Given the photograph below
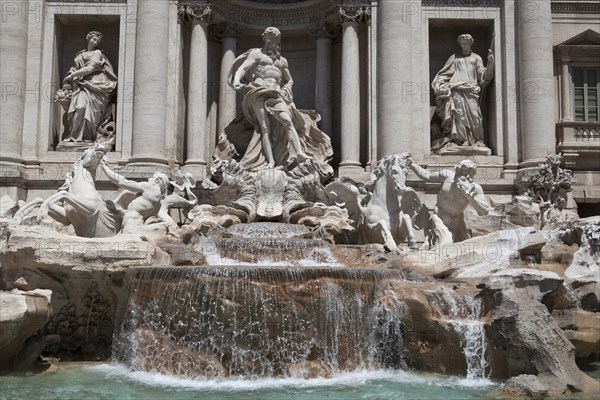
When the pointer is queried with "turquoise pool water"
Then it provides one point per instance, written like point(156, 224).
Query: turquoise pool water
point(106, 381)
point(112, 381)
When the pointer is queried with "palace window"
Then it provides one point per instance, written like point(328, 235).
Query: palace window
point(586, 85)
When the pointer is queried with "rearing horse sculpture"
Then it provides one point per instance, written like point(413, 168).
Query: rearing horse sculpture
point(391, 208)
point(82, 206)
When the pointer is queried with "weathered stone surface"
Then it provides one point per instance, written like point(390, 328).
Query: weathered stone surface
point(521, 211)
point(21, 284)
point(43, 247)
point(525, 384)
point(494, 221)
point(22, 315)
point(8, 207)
point(582, 328)
point(477, 257)
point(556, 252)
point(535, 284)
point(84, 275)
point(181, 254)
point(527, 340)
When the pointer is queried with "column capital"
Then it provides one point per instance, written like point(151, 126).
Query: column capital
point(357, 14)
point(324, 30)
point(564, 59)
point(194, 12)
point(227, 30)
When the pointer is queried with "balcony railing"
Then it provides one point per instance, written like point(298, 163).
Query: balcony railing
point(578, 141)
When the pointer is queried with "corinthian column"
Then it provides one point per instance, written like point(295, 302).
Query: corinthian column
point(13, 52)
point(536, 80)
point(198, 79)
point(228, 34)
point(350, 17)
point(324, 34)
point(151, 61)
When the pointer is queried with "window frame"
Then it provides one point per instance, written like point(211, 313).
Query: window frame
point(585, 87)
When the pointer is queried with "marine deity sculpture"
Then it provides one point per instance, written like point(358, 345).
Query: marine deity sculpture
point(458, 88)
point(87, 97)
point(145, 197)
point(458, 191)
point(391, 211)
point(272, 159)
point(271, 132)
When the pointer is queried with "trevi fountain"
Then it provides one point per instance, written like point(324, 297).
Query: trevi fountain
point(299, 200)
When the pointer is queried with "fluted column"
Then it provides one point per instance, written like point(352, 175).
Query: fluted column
point(395, 111)
point(565, 96)
point(350, 113)
point(13, 52)
point(151, 62)
point(324, 34)
point(228, 34)
point(536, 80)
point(198, 80)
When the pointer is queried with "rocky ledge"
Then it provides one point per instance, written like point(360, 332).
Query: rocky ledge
point(539, 291)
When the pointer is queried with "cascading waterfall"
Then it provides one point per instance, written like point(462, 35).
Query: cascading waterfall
point(269, 252)
point(463, 313)
point(256, 322)
point(385, 340)
point(267, 244)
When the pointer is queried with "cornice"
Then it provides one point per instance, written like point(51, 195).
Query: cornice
point(462, 3)
point(575, 7)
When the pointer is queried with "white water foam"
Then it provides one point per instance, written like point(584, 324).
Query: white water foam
point(351, 379)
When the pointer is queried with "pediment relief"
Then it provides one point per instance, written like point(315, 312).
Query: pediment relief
point(585, 38)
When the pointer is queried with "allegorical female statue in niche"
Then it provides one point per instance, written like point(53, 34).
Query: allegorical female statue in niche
point(457, 88)
point(87, 96)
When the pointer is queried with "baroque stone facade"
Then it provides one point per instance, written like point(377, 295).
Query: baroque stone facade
point(365, 67)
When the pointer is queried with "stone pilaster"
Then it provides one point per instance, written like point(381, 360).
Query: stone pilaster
point(199, 16)
point(565, 95)
point(324, 34)
point(350, 17)
point(536, 80)
point(151, 72)
point(228, 34)
point(13, 52)
point(395, 69)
